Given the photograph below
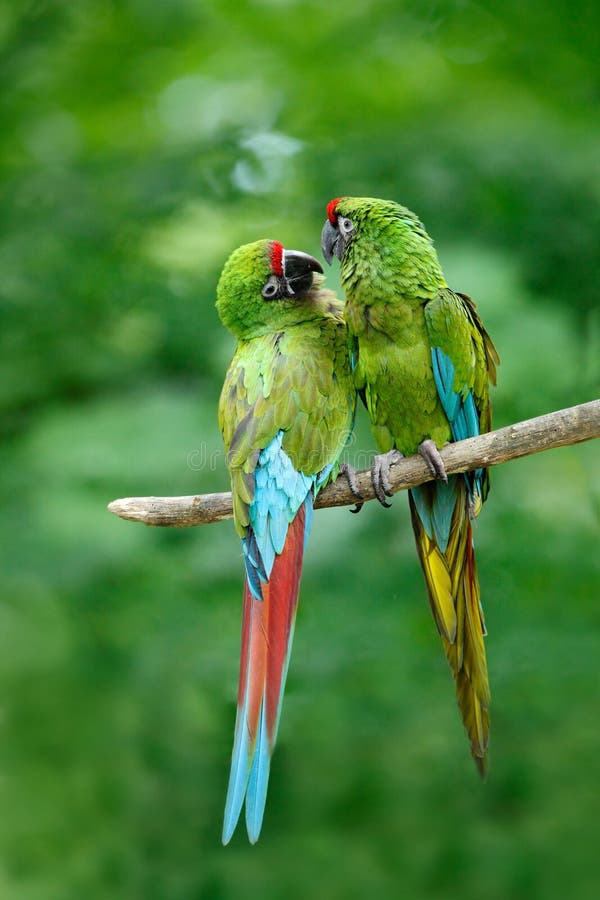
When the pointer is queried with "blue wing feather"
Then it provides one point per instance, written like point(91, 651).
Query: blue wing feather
point(435, 507)
point(459, 407)
point(443, 373)
point(279, 493)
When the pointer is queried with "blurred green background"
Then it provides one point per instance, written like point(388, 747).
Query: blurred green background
point(141, 141)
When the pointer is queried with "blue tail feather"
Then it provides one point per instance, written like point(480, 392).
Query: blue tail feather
point(444, 501)
point(256, 795)
point(421, 497)
point(238, 781)
point(435, 507)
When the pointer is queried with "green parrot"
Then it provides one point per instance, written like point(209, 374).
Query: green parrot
point(285, 413)
point(424, 366)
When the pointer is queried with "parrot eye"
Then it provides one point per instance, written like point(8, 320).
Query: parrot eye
point(271, 289)
point(346, 226)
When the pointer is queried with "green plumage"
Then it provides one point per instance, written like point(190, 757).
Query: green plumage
point(398, 305)
point(290, 372)
point(399, 308)
point(286, 411)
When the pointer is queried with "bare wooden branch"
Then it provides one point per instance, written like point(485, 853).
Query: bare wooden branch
point(556, 429)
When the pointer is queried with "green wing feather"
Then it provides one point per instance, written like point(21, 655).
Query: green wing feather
point(454, 326)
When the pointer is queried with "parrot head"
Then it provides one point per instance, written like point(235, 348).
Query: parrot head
point(377, 223)
point(265, 287)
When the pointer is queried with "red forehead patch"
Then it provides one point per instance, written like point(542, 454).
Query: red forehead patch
point(331, 214)
point(276, 258)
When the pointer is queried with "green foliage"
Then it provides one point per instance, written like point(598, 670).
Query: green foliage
point(141, 142)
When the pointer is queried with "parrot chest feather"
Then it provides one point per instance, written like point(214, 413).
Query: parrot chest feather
point(395, 364)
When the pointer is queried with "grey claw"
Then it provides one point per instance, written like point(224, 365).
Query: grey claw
point(380, 475)
point(350, 474)
point(435, 463)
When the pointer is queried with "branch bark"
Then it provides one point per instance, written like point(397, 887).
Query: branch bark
point(557, 429)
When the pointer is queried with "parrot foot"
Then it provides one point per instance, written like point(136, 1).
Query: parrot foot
point(380, 475)
point(349, 472)
point(435, 463)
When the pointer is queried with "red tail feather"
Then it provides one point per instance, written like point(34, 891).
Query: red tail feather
point(266, 628)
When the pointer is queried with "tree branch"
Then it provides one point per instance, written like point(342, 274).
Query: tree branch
point(557, 429)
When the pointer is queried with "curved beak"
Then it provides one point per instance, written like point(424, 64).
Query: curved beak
point(298, 271)
point(332, 243)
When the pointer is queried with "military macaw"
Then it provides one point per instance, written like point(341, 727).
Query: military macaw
point(285, 413)
point(424, 366)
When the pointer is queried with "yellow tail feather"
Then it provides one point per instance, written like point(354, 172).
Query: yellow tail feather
point(453, 589)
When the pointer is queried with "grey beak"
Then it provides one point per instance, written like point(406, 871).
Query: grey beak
point(332, 243)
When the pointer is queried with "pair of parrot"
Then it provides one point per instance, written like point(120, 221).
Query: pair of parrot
point(419, 357)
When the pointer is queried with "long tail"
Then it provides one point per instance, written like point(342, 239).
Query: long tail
point(442, 527)
point(267, 633)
